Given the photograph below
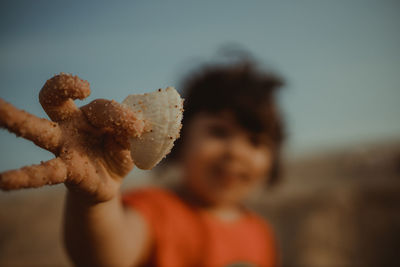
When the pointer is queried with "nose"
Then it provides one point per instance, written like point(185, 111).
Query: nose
point(235, 147)
point(236, 156)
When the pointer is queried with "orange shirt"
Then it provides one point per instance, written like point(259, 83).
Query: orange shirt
point(187, 236)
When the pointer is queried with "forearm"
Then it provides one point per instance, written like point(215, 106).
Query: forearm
point(96, 234)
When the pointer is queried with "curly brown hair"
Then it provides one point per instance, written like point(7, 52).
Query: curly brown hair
point(242, 89)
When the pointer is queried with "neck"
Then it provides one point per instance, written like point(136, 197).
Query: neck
point(223, 211)
point(226, 213)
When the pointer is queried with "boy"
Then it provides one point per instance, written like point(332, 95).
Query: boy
point(230, 144)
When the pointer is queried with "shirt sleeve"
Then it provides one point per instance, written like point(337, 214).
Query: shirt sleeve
point(173, 226)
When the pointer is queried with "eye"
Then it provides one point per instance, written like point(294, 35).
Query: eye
point(258, 140)
point(255, 140)
point(218, 131)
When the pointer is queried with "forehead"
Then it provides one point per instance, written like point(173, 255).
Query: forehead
point(228, 121)
point(224, 118)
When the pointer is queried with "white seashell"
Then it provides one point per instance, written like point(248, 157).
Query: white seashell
point(162, 113)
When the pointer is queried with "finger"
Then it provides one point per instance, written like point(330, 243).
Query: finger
point(112, 117)
point(50, 172)
point(118, 156)
point(42, 132)
point(56, 96)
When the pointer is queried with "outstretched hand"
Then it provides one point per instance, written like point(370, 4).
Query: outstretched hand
point(90, 144)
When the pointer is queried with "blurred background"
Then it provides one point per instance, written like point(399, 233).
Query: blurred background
point(338, 204)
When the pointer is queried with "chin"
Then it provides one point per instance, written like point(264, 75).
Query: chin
point(215, 196)
point(222, 198)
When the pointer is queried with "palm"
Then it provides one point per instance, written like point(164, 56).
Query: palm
point(95, 161)
point(90, 144)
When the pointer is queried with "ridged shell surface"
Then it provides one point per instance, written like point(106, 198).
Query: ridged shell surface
point(162, 112)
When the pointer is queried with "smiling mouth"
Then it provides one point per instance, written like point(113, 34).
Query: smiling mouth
point(226, 177)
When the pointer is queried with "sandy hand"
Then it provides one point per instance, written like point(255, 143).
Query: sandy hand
point(91, 144)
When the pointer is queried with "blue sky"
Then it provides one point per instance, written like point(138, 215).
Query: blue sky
point(341, 58)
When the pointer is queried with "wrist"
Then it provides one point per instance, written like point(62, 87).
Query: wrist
point(84, 199)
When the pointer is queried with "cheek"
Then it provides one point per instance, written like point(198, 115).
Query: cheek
point(198, 160)
point(200, 154)
point(261, 163)
point(204, 149)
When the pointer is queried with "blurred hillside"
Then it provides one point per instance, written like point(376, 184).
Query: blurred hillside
point(338, 208)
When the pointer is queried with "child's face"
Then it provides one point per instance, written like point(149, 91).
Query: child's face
point(223, 161)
